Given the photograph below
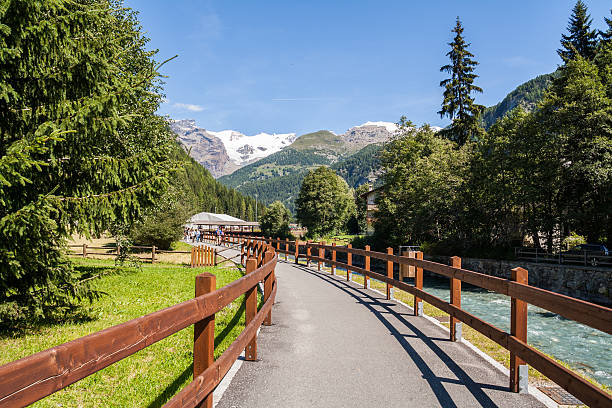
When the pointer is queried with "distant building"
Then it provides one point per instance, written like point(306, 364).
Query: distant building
point(211, 221)
point(371, 208)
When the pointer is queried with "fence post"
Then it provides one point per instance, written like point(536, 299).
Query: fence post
point(519, 371)
point(455, 300)
point(215, 256)
point(268, 287)
point(250, 352)
point(84, 250)
point(153, 254)
point(418, 283)
point(321, 253)
point(204, 334)
point(389, 274)
point(366, 279)
point(308, 252)
point(333, 265)
point(286, 248)
point(349, 262)
point(242, 253)
point(297, 250)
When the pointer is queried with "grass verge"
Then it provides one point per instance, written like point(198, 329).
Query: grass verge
point(152, 376)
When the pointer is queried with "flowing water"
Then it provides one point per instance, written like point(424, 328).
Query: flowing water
point(585, 349)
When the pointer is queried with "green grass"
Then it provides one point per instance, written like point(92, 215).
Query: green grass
point(180, 246)
point(151, 376)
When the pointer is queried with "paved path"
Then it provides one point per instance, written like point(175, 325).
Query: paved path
point(333, 344)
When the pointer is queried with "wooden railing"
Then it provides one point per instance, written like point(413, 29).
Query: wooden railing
point(85, 250)
point(517, 288)
point(25, 381)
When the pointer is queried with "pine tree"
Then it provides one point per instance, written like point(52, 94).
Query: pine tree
point(581, 38)
point(607, 35)
point(458, 104)
point(81, 148)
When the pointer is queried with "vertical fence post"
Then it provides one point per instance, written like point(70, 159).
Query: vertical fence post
point(455, 300)
point(242, 253)
point(333, 256)
point(84, 250)
point(297, 250)
point(518, 328)
point(321, 254)
point(192, 256)
point(308, 252)
point(349, 262)
point(418, 283)
point(277, 245)
point(286, 248)
point(366, 278)
point(204, 334)
point(153, 254)
point(215, 259)
point(268, 287)
point(250, 351)
point(389, 274)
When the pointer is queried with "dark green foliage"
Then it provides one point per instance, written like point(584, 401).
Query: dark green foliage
point(526, 95)
point(325, 203)
point(425, 179)
point(606, 35)
point(81, 148)
point(275, 221)
point(361, 206)
point(360, 167)
point(208, 194)
point(458, 103)
point(581, 40)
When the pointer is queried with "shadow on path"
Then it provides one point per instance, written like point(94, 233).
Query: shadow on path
point(435, 382)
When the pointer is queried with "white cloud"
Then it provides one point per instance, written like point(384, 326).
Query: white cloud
point(188, 106)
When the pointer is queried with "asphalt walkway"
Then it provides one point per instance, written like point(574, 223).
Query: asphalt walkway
point(334, 344)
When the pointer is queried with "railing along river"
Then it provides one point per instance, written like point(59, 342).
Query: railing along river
point(517, 288)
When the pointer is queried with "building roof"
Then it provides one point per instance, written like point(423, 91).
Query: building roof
point(206, 218)
point(367, 193)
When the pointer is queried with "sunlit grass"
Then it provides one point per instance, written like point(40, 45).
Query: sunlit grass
point(150, 377)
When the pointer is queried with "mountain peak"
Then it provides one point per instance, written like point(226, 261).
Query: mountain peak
point(390, 126)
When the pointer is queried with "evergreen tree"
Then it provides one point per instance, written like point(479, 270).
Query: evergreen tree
point(81, 148)
point(458, 103)
point(581, 38)
point(606, 36)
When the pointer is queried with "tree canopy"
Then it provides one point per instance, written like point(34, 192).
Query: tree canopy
point(325, 202)
point(581, 39)
point(274, 222)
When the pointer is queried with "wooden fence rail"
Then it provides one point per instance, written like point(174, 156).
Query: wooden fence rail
point(32, 378)
point(517, 288)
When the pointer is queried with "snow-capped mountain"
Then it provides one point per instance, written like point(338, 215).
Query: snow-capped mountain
point(227, 150)
point(223, 152)
point(243, 149)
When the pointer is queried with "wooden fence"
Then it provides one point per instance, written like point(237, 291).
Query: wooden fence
point(32, 378)
point(85, 250)
point(517, 288)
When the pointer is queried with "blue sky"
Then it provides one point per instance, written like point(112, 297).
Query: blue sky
point(301, 66)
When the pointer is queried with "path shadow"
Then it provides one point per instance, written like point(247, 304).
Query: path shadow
point(435, 382)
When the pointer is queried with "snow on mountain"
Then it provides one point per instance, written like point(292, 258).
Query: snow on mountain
point(243, 149)
point(391, 127)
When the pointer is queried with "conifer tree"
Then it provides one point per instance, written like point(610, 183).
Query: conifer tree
point(581, 38)
point(81, 148)
point(458, 103)
point(607, 35)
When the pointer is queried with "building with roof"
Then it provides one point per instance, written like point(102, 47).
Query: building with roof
point(211, 221)
point(371, 208)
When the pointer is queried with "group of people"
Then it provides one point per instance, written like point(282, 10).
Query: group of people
point(197, 235)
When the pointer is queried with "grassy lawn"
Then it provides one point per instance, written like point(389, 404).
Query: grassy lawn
point(150, 377)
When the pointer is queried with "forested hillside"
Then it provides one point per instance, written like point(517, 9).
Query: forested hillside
point(207, 194)
point(526, 95)
point(360, 168)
